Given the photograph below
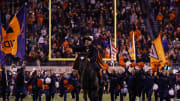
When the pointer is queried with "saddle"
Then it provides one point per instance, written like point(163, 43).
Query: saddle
point(99, 61)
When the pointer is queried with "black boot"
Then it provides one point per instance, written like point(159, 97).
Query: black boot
point(100, 78)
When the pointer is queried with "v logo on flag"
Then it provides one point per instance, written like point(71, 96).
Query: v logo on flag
point(154, 52)
point(129, 47)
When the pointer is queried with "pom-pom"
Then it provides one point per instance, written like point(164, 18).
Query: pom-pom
point(119, 87)
point(40, 83)
point(65, 82)
point(46, 87)
point(171, 92)
point(70, 88)
point(123, 64)
point(30, 87)
point(57, 84)
point(134, 64)
point(48, 80)
point(155, 87)
point(141, 65)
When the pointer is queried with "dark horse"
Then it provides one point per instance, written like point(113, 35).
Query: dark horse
point(89, 79)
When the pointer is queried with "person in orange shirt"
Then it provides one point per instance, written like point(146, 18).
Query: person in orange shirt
point(54, 45)
point(40, 19)
point(138, 33)
point(172, 16)
point(46, 1)
point(107, 52)
point(68, 50)
point(159, 17)
point(65, 44)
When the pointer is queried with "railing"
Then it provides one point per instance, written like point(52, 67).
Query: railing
point(175, 65)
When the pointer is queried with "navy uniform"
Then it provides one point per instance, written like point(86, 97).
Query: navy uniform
point(74, 80)
point(27, 78)
point(148, 85)
point(105, 79)
point(131, 82)
point(3, 84)
point(63, 88)
point(20, 90)
point(13, 83)
point(53, 86)
point(113, 85)
point(178, 85)
point(9, 80)
point(163, 86)
point(40, 87)
point(121, 81)
point(47, 83)
point(172, 83)
point(156, 92)
point(139, 82)
point(33, 82)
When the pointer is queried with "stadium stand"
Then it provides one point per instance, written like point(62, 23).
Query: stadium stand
point(73, 19)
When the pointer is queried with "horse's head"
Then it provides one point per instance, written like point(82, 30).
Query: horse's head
point(83, 61)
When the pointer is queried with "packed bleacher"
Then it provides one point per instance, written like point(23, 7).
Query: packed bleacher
point(165, 12)
point(79, 20)
point(74, 19)
point(37, 27)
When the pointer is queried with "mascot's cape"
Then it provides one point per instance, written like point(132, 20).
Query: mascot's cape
point(99, 61)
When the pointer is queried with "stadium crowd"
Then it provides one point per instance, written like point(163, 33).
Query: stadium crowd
point(37, 26)
point(165, 13)
point(77, 19)
point(74, 19)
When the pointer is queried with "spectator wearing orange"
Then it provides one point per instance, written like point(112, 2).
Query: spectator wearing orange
point(65, 44)
point(172, 16)
point(107, 52)
point(121, 59)
point(138, 33)
point(159, 17)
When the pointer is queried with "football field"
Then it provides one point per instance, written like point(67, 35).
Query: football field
point(106, 97)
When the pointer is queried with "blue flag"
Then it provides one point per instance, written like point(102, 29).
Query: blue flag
point(2, 57)
point(21, 40)
point(15, 41)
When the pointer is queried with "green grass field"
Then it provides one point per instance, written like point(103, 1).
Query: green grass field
point(106, 97)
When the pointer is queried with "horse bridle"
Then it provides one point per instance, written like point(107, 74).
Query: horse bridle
point(82, 57)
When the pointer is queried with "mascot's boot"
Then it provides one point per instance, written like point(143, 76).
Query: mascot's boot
point(99, 72)
point(100, 77)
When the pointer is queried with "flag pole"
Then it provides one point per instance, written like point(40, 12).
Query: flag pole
point(115, 24)
point(113, 63)
point(134, 47)
point(6, 76)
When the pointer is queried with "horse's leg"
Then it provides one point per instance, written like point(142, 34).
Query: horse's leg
point(100, 94)
point(95, 95)
point(90, 96)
